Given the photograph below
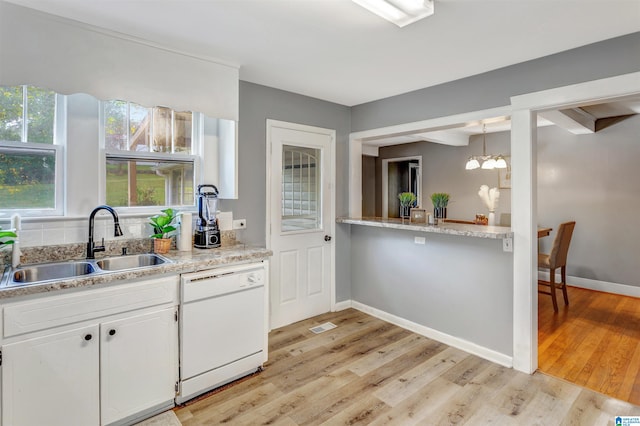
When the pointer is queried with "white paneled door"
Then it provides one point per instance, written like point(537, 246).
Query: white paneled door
point(301, 221)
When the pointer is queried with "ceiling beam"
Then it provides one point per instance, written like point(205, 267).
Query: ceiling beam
point(574, 120)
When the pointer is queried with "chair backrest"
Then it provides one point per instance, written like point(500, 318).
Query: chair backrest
point(560, 249)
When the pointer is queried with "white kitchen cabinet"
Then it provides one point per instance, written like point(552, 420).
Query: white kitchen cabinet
point(52, 380)
point(138, 363)
point(91, 357)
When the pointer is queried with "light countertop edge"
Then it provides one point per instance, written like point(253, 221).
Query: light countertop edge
point(182, 262)
point(459, 229)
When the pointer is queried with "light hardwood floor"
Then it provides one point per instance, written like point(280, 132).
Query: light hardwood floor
point(594, 342)
point(367, 371)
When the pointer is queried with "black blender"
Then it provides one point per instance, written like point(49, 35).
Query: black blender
point(207, 233)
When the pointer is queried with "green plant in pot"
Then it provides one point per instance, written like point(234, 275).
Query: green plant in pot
point(440, 201)
point(162, 225)
point(407, 200)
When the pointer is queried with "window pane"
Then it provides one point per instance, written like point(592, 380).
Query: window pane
point(149, 183)
point(27, 180)
point(139, 128)
point(41, 107)
point(182, 132)
point(11, 113)
point(161, 129)
point(300, 188)
point(115, 125)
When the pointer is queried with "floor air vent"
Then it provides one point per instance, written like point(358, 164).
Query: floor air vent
point(323, 327)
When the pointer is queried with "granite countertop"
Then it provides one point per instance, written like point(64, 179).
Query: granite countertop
point(464, 230)
point(182, 262)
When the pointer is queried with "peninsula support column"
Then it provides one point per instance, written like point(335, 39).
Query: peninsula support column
point(524, 227)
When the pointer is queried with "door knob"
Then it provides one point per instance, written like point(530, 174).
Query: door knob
point(327, 238)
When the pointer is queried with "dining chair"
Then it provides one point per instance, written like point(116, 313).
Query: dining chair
point(557, 258)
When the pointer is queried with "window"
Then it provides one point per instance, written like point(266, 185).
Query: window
point(149, 155)
point(30, 150)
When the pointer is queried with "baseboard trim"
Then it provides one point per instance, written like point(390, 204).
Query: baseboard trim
point(605, 286)
point(341, 306)
point(447, 339)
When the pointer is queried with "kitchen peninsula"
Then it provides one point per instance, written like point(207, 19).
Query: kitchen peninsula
point(450, 282)
point(460, 229)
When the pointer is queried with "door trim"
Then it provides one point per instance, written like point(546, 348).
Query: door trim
point(331, 221)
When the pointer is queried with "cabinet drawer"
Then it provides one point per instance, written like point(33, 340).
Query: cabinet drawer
point(53, 311)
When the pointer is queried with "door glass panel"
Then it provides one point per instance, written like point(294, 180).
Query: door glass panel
point(301, 189)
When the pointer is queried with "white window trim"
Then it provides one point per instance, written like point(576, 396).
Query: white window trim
point(58, 147)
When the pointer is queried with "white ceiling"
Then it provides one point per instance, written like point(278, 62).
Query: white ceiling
point(337, 51)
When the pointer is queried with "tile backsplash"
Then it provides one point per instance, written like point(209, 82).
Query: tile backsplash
point(45, 232)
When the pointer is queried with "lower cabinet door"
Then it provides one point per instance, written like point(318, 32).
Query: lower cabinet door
point(138, 363)
point(52, 380)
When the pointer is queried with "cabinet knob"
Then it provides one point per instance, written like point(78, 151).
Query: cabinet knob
point(112, 332)
point(88, 337)
point(327, 238)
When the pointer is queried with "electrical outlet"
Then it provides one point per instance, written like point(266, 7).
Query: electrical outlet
point(240, 224)
point(419, 240)
point(507, 244)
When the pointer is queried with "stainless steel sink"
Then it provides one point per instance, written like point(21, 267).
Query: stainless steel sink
point(50, 271)
point(46, 272)
point(130, 262)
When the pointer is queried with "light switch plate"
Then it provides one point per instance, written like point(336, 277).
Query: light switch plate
point(419, 240)
point(240, 224)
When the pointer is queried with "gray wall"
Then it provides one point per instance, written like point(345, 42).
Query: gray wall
point(460, 286)
point(594, 180)
point(257, 104)
point(443, 171)
point(608, 58)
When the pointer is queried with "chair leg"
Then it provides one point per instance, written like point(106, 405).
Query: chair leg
point(552, 286)
point(563, 271)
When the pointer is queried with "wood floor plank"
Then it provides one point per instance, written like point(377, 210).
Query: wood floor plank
point(593, 342)
point(423, 404)
point(372, 372)
point(411, 381)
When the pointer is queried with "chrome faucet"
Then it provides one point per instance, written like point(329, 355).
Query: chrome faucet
point(117, 232)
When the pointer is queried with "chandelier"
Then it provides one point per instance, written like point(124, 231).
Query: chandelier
point(489, 162)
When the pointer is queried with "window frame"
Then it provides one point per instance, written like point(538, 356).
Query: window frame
point(58, 146)
point(195, 158)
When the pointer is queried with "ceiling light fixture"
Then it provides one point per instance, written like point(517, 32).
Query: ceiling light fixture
point(399, 12)
point(489, 162)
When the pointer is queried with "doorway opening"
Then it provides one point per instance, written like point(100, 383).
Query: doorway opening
point(400, 175)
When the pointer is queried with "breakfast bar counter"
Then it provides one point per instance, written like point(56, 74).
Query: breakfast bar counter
point(464, 230)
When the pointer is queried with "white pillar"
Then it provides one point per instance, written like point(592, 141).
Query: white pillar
point(524, 220)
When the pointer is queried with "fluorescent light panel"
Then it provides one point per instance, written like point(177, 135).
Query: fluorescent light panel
point(400, 12)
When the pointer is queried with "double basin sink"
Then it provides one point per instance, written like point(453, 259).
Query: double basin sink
point(45, 272)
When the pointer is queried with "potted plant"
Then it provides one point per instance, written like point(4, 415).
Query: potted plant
point(162, 225)
point(440, 201)
point(407, 200)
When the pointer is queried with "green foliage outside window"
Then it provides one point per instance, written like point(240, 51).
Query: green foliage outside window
point(27, 178)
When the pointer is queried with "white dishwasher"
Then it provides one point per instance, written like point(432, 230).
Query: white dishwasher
point(223, 327)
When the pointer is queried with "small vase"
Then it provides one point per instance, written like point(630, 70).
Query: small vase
point(161, 245)
point(492, 219)
point(440, 212)
point(405, 211)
